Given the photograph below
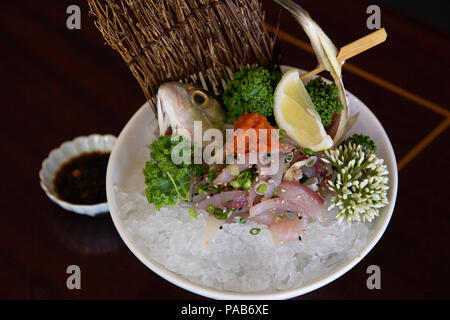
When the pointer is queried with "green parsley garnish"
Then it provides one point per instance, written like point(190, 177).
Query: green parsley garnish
point(367, 144)
point(168, 183)
point(250, 91)
point(325, 98)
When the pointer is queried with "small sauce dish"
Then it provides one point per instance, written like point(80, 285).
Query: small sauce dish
point(67, 152)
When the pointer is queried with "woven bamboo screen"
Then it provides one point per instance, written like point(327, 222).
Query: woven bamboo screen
point(200, 41)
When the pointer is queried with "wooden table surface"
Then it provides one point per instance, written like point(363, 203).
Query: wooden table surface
point(58, 84)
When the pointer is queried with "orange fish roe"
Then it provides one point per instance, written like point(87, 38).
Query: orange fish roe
point(257, 122)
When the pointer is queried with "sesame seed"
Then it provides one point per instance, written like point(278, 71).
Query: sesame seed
point(299, 196)
point(283, 190)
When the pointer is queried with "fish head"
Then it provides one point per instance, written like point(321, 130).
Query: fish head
point(180, 104)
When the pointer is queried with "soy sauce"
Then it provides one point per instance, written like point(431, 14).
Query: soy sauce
point(82, 180)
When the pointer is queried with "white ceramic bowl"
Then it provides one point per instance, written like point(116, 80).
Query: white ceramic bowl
point(138, 134)
point(65, 152)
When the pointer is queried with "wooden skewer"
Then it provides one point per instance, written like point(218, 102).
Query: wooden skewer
point(353, 49)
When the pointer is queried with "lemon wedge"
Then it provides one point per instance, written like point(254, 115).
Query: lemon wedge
point(295, 112)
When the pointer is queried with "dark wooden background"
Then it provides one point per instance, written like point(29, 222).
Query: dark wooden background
point(58, 84)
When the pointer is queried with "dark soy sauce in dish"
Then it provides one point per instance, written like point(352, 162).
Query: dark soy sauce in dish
point(82, 179)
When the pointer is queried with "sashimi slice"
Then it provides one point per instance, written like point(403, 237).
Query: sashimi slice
point(228, 199)
point(306, 201)
point(285, 231)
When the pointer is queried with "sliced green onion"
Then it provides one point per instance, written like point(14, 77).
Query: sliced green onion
point(255, 231)
point(242, 221)
point(308, 152)
point(234, 170)
point(210, 208)
point(212, 173)
point(235, 184)
point(200, 190)
point(289, 158)
point(229, 201)
point(310, 163)
point(244, 176)
point(283, 134)
point(262, 188)
point(278, 219)
point(220, 215)
point(247, 184)
point(275, 192)
point(193, 213)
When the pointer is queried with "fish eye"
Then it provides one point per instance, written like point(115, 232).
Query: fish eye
point(200, 98)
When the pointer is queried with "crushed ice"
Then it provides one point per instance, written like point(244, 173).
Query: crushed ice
point(236, 260)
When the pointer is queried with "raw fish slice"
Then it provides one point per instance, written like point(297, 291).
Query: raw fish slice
point(293, 197)
point(237, 199)
point(307, 201)
point(212, 226)
point(268, 217)
point(225, 175)
point(286, 230)
point(272, 180)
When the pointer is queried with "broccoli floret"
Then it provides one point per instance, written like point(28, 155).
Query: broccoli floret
point(250, 91)
point(365, 142)
point(325, 98)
